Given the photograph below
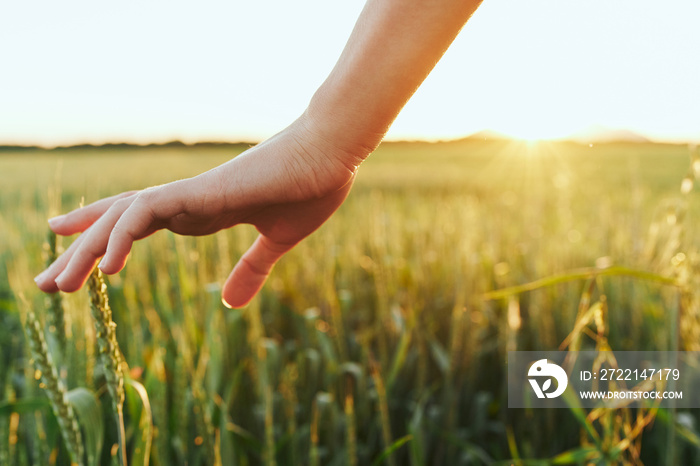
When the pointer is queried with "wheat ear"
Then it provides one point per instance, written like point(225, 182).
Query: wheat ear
point(68, 422)
point(108, 351)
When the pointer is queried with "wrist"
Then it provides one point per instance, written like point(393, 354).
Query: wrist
point(334, 121)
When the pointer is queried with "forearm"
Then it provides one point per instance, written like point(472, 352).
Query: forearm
point(393, 47)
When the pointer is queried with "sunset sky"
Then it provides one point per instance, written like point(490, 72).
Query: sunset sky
point(74, 72)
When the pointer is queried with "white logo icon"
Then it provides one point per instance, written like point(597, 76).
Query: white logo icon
point(542, 368)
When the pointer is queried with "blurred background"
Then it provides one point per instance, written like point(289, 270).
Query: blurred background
point(147, 72)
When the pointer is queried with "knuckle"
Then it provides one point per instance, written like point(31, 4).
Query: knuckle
point(148, 195)
point(143, 203)
point(125, 230)
point(143, 197)
point(92, 249)
point(121, 204)
point(253, 267)
point(118, 231)
point(275, 247)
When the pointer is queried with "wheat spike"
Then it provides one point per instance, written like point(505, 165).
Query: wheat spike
point(56, 316)
point(106, 336)
point(70, 429)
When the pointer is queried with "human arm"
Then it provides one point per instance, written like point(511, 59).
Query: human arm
point(290, 184)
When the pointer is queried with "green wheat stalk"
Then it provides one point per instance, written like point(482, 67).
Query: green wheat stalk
point(581, 274)
point(383, 408)
point(52, 385)
point(351, 424)
point(56, 316)
point(108, 350)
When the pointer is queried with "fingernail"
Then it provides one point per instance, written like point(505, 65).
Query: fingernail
point(226, 304)
point(55, 221)
point(102, 264)
point(59, 279)
point(40, 277)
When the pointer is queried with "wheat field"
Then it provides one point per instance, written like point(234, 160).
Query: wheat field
point(381, 339)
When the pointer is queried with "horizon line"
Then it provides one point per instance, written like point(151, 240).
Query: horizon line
point(483, 135)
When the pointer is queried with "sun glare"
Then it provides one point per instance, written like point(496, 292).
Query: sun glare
point(532, 135)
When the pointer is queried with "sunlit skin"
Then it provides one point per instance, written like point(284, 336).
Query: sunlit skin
point(289, 185)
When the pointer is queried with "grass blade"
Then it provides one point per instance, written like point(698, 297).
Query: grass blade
point(391, 449)
point(89, 412)
point(136, 395)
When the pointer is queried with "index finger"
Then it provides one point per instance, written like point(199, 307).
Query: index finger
point(80, 219)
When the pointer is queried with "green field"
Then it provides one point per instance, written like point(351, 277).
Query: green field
point(376, 340)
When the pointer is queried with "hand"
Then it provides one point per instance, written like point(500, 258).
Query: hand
point(290, 184)
point(286, 187)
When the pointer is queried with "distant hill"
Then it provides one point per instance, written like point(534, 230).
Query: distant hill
point(592, 134)
point(489, 135)
point(127, 146)
point(600, 134)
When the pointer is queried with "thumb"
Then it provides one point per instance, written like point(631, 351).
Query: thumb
point(251, 271)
